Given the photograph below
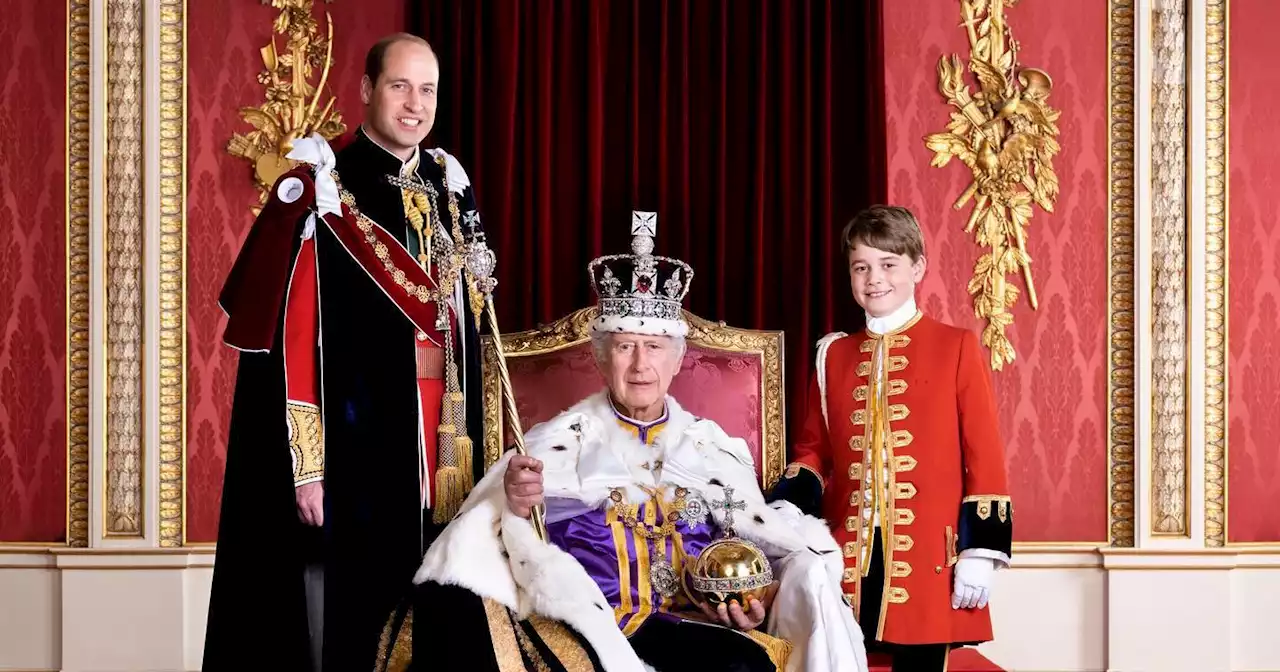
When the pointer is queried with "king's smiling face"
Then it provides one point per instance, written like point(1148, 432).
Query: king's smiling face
point(401, 106)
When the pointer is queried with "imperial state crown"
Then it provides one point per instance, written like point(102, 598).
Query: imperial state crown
point(640, 293)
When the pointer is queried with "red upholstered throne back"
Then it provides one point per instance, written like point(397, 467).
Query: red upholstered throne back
point(731, 376)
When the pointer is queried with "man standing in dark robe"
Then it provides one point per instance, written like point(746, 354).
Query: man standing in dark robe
point(356, 425)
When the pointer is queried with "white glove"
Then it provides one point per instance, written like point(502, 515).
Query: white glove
point(972, 583)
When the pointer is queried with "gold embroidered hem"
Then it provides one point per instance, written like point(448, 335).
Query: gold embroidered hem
point(779, 649)
point(306, 442)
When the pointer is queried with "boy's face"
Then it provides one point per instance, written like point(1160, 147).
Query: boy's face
point(882, 281)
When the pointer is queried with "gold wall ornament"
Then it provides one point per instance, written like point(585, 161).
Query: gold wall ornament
point(172, 296)
point(1215, 280)
point(1005, 132)
point(79, 84)
point(290, 109)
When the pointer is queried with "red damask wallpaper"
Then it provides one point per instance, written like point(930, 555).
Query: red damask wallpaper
point(33, 441)
point(223, 64)
point(1053, 397)
point(1253, 285)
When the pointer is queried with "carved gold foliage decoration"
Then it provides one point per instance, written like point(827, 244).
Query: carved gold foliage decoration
point(1006, 133)
point(291, 108)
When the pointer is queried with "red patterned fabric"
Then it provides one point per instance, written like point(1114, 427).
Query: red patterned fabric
point(1052, 399)
point(33, 318)
point(721, 386)
point(1253, 339)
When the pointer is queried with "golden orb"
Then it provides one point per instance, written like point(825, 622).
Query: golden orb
point(731, 569)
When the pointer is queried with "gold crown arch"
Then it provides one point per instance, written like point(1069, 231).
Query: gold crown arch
point(290, 109)
point(1006, 133)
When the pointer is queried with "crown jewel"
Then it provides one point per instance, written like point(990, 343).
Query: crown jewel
point(640, 286)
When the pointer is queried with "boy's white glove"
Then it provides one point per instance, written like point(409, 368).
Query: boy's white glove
point(972, 586)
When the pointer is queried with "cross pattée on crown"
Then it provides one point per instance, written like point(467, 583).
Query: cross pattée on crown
point(644, 223)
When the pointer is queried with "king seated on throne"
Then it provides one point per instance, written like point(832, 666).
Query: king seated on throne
point(660, 551)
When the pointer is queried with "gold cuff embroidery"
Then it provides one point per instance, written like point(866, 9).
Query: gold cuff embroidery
point(306, 442)
point(1003, 506)
point(794, 468)
point(778, 649)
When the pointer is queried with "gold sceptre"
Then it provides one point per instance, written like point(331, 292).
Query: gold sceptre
point(481, 263)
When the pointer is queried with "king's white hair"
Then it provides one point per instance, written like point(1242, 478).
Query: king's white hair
point(600, 345)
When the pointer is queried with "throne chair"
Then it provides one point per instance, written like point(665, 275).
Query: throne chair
point(730, 375)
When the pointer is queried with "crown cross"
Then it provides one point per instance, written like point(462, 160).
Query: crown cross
point(728, 506)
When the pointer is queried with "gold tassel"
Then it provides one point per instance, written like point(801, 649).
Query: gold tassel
point(449, 494)
point(462, 453)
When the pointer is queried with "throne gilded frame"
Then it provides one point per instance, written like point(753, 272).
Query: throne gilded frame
point(730, 375)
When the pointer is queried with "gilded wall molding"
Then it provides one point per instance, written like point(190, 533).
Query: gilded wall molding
point(123, 260)
point(1120, 258)
point(1170, 452)
point(173, 305)
point(77, 273)
point(1215, 439)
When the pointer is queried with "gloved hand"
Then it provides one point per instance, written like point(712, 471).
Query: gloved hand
point(972, 584)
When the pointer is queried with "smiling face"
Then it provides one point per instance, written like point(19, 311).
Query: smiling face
point(882, 281)
point(638, 370)
point(401, 106)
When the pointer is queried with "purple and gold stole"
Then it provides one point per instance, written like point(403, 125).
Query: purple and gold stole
point(619, 559)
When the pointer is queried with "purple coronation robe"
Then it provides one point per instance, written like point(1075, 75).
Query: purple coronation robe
point(618, 558)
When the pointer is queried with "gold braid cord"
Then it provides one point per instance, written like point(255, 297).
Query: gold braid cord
point(1006, 133)
point(290, 109)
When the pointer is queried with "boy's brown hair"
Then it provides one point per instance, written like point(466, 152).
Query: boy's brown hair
point(891, 228)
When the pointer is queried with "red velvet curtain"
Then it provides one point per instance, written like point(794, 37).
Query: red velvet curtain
point(752, 127)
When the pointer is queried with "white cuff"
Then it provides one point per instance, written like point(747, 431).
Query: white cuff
point(1002, 560)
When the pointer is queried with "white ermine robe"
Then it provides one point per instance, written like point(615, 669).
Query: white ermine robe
point(586, 455)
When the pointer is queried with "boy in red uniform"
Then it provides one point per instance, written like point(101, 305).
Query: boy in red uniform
point(901, 453)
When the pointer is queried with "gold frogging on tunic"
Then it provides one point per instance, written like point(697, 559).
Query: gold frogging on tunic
point(879, 491)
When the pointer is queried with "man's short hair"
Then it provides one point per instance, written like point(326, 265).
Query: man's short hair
point(891, 228)
point(378, 53)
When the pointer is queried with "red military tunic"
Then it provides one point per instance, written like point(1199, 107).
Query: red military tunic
point(921, 395)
